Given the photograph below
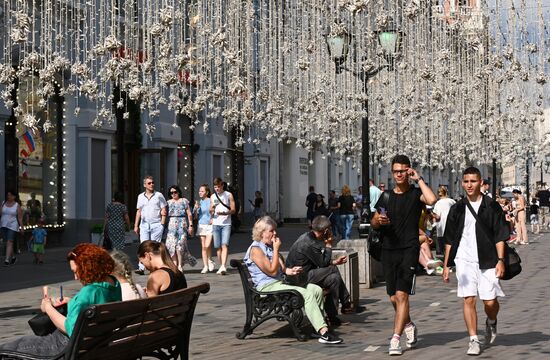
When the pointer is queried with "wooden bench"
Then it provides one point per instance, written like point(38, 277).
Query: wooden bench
point(157, 327)
point(281, 305)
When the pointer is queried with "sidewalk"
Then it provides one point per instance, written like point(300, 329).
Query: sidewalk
point(524, 321)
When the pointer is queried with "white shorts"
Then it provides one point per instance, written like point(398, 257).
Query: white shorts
point(472, 281)
point(204, 229)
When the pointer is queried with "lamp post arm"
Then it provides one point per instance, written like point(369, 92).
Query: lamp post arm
point(365, 75)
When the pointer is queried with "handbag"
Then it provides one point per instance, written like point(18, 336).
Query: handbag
point(107, 243)
point(375, 239)
point(512, 261)
point(42, 325)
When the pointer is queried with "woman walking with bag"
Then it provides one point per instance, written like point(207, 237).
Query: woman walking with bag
point(180, 226)
point(10, 223)
point(202, 214)
point(116, 215)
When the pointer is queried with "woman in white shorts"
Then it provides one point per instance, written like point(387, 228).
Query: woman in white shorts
point(202, 214)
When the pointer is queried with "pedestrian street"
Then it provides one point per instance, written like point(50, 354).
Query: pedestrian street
point(523, 323)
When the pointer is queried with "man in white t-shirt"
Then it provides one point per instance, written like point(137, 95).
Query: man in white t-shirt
point(150, 215)
point(475, 236)
point(222, 207)
point(439, 215)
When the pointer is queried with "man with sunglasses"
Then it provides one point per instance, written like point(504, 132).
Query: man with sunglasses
point(150, 215)
point(397, 219)
point(313, 252)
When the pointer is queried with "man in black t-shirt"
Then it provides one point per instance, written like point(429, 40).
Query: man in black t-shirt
point(397, 219)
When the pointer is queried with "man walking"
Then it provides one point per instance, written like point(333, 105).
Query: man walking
point(150, 215)
point(398, 221)
point(313, 252)
point(311, 199)
point(223, 206)
point(474, 236)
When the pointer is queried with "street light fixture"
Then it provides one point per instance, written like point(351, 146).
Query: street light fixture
point(338, 43)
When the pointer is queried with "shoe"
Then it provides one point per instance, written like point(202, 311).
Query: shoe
point(204, 270)
point(139, 272)
point(336, 322)
point(222, 270)
point(211, 265)
point(429, 271)
point(328, 338)
point(348, 308)
point(6, 263)
point(490, 332)
point(13, 260)
point(395, 348)
point(439, 270)
point(433, 264)
point(412, 335)
point(474, 347)
point(523, 243)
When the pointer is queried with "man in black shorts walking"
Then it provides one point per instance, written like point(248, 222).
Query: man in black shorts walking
point(398, 218)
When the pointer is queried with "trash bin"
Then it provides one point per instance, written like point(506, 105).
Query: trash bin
point(349, 271)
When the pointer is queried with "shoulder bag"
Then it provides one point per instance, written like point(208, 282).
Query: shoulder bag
point(375, 239)
point(512, 261)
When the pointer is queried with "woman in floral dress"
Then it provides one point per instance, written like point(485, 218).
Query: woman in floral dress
point(180, 226)
point(116, 215)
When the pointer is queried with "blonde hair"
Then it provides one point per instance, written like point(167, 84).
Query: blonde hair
point(262, 225)
point(123, 269)
point(442, 190)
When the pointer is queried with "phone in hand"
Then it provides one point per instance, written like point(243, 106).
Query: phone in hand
point(382, 211)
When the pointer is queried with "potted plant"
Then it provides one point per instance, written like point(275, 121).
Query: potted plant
point(96, 234)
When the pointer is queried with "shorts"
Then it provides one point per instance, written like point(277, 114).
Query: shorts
point(221, 234)
point(472, 281)
point(38, 248)
point(8, 234)
point(534, 218)
point(400, 269)
point(150, 231)
point(204, 229)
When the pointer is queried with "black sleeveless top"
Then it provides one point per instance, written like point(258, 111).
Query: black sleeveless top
point(177, 281)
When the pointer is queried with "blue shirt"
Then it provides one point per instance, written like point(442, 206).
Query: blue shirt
point(203, 212)
point(38, 235)
point(259, 278)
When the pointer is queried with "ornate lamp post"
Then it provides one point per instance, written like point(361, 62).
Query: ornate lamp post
point(338, 47)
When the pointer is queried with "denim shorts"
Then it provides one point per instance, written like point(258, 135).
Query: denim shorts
point(221, 234)
point(8, 234)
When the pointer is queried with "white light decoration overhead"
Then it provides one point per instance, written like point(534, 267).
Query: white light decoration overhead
point(466, 86)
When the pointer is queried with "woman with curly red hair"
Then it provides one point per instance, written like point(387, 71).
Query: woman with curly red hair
point(92, 266)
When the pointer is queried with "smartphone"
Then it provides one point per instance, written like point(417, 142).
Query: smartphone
point(382, 211)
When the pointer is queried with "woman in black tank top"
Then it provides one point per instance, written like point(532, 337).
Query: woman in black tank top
point(164, 276)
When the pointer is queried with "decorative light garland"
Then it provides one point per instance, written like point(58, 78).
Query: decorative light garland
point(465, 79)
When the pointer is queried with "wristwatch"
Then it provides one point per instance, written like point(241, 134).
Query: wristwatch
point(420, 178)
point(501, 259)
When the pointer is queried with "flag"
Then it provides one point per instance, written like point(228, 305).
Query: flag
point(27, 138)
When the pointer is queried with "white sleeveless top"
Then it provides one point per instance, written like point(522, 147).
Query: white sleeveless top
point(9, 217)
point(220, 219)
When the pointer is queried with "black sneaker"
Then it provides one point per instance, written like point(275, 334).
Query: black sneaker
point(6, 263)
point(139, 272)
point(13, 260)
point(328, 338)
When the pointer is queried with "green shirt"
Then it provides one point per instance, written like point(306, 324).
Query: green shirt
point(91, 294)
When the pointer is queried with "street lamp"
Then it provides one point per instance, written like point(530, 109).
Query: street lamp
point(338, 40)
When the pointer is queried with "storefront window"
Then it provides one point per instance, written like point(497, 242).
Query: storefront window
point(39, 156)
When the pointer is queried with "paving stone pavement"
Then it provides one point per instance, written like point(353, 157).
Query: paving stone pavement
point(524, 320)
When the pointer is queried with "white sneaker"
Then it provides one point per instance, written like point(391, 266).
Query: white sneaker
point(433, 264)
point(222, 270)
point(412, 335)
point(395, 348)
point(204, 270)
point(474, 347)
point(211, 265)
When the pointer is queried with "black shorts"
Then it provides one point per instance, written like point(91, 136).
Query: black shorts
point(399, 269)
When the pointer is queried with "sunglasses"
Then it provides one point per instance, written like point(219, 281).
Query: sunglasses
point(173, 192)
point(150, 183)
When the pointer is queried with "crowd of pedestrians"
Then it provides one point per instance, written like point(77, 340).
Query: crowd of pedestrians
point(468, 235)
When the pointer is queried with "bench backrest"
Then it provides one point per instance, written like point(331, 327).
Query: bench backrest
point(246, 279)
point(130, 329)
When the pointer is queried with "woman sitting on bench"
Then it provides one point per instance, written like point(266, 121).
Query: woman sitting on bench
point(92, 266)
point(164, 275)
point(266, 269)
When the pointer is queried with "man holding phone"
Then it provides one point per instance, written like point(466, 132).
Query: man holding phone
point(313, 252)
point(397, 218)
